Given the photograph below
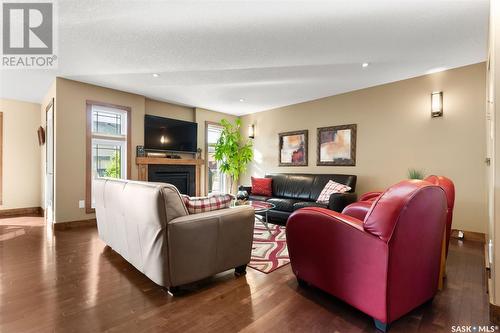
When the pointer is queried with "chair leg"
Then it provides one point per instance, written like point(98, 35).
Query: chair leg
point(302, 283)
point(173, 291)
point(384, 327)
point(240, 270)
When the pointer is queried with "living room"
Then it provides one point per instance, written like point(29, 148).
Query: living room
point(333, 170)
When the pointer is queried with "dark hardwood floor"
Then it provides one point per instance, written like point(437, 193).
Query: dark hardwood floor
point(69, 281)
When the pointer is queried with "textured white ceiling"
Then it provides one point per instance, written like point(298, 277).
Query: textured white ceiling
point(211, 54)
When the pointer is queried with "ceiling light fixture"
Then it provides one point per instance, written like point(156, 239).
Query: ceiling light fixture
point(364, 65)
point(242, 100)
point(156, 75)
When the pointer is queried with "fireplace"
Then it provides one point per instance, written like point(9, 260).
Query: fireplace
point(181, 176)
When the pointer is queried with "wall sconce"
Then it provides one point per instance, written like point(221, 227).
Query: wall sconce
point(437, 104)
point(251, 131)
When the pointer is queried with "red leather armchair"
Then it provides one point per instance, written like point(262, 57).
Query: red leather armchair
point(385, 265)
point(360, 208)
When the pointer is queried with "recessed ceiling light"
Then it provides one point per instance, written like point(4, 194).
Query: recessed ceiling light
point(242, 100)
point(364, 65)
point(156, 75)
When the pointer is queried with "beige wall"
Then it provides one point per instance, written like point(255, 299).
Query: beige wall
point(201, 117)
point(167, 110)
point(21, 154)
point(71, 140)
point(71, 136)
point(396, 132)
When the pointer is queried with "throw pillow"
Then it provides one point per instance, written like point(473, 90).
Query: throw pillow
point(330, 188)
point(196, 205)
point(262, 186)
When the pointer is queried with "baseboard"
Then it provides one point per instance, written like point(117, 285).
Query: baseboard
point(20, 212)
point(470, 236)
point(74, 224)
point(495, 314)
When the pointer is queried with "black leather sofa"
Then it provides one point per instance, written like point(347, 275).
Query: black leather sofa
point(295, 191)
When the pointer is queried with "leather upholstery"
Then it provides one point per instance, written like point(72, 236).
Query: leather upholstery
point(449, 188)
point(338, 201)
point(386, 265)
point(304, 188)
point(304, 204)
point(149, 226)
point(370, 196)
point(283, 204)
point(358, 208)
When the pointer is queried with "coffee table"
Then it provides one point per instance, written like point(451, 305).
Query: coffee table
point(259, 207)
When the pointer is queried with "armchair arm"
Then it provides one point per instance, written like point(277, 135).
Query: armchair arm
point(333, 252)
point(338, 201)
point(201, 245)
point(358, 209)
point(247, 188)
point(370, 196)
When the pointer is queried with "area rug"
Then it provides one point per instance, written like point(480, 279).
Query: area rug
point(269, 250)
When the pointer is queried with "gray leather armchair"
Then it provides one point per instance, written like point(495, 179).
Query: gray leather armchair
point(149, 226)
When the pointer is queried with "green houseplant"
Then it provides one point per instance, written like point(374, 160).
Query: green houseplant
point(231, 152)
point(415, 174)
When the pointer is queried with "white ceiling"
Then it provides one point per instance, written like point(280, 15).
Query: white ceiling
point(211, 54)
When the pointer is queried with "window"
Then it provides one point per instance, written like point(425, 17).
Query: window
point(108, 145)
point(216, 182)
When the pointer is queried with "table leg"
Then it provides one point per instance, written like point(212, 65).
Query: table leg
point(264, 221)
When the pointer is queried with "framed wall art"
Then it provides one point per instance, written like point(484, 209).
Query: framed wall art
point(337, 145)
point(293, 148)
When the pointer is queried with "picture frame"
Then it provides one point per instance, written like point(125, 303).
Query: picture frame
point(336, 145)
point(293, 148)
point(41, 136)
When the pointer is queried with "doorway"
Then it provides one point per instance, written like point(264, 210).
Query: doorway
point(49, 163)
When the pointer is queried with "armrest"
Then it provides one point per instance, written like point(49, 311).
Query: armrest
point(338, 201)
point(247, 188)
point(201, 245)
point(370, 196)
point(358, 209)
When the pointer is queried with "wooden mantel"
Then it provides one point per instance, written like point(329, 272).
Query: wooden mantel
point(143, 162)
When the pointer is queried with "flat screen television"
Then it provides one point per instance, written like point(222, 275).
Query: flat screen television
point(170, 134)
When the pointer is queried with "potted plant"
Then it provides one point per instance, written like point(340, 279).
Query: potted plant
point(415, 174)
point(232, 153)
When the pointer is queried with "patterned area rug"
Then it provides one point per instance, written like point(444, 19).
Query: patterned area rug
point(269, 250)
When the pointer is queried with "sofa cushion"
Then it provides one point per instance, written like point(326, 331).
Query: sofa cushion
point(196, 205)
point(304, 204)
point(283, 204)
point(321, 180)
point(292, 186)
point(330, 188)
point(262, 186)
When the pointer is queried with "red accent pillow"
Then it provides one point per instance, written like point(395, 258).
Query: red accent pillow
point(262, 186)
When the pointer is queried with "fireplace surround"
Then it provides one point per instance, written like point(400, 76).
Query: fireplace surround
point(181, 176)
